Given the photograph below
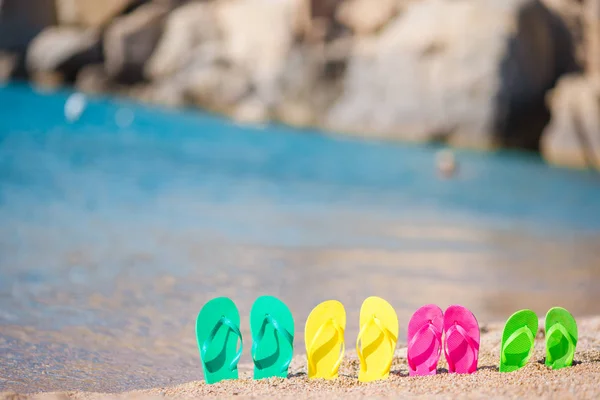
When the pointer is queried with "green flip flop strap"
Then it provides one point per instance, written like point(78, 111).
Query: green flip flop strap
point(560, 328)
point(340, 337)
point(522, 330)
point(223, 321)
point(268, 319)
point(389, 336)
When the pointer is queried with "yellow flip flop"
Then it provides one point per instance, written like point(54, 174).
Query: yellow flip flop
point(377, 339)
point(324, 339)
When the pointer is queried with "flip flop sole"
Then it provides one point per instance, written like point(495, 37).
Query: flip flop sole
point(322, 321)
point(222, 349)
point(377, 351)
point(515, 355)
point(461, 352)
point(424, 353)
point(560, 349)
point(273, 350)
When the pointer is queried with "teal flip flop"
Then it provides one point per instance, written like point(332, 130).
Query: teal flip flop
point(218, 333)
point(272, 327)
point(561, 338)
point(518, 339)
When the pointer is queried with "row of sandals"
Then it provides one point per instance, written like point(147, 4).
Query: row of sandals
point(430, 330)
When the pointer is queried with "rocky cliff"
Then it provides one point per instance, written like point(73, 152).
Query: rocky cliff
point(474, 73)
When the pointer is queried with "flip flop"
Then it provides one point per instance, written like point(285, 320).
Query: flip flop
point(377, 339)
point(424, 340)
point(461, 343)
point(518, 339)
point(561, 338)
point(272, 327)
point(324, 339)
point(218, 333)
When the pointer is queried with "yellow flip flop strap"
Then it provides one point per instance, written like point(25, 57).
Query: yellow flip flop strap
point(340, 340)
point(389, 336)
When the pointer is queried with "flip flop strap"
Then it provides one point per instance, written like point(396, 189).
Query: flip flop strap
point(339, 331)
point(473, 346)
point(389, 336)
point(223, 321)
point(416, 337)
point(522, 330)
point(560, 328)
point(268, 319)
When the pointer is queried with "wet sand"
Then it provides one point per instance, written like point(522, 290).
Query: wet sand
point(535, 380)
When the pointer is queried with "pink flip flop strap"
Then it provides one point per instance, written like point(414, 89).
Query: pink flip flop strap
point(436, 333)
point(473, 346)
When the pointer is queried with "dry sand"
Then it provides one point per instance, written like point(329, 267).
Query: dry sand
point(535, 380)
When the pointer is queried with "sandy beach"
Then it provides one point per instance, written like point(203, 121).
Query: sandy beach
point(155, 155)
point(535, 380)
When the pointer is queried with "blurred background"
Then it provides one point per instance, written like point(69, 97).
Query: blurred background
point(155, 154)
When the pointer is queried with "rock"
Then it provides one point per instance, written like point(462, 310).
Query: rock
point(311, 82)
point(92, 79)
point(166, 95)
point(47, 81)
point(324, 8)
point(258, 35)
point(570, 12)
point(63, 50)
point(21, 21)
point(366, 16)
point(8, 64)
point(319, 24)
point(186, 29)
point(573, 136)
point(296, 113)
point(473, 73)
point(251, 111)
point(90, 13)
point(217, 87)
point(214, 58)
point(592, 37)
point(130, 40)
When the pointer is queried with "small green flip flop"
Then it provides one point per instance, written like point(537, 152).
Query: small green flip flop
point(518, 339)
point(272, 327)
point(561, 338)
point(218, 333)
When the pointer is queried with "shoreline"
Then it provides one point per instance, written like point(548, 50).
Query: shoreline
point(535, 379)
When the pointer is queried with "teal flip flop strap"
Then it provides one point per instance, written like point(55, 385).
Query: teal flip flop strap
point(523, 330)
point(223, 321)
point(389, 336)
point(568, 358)
point(261, 333)
point(339, 331)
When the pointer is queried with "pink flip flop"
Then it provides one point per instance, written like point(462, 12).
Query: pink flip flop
point(461, 345)
point(425, 340)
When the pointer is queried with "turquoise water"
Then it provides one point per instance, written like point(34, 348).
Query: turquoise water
point(169, 153)
point(117, 227)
